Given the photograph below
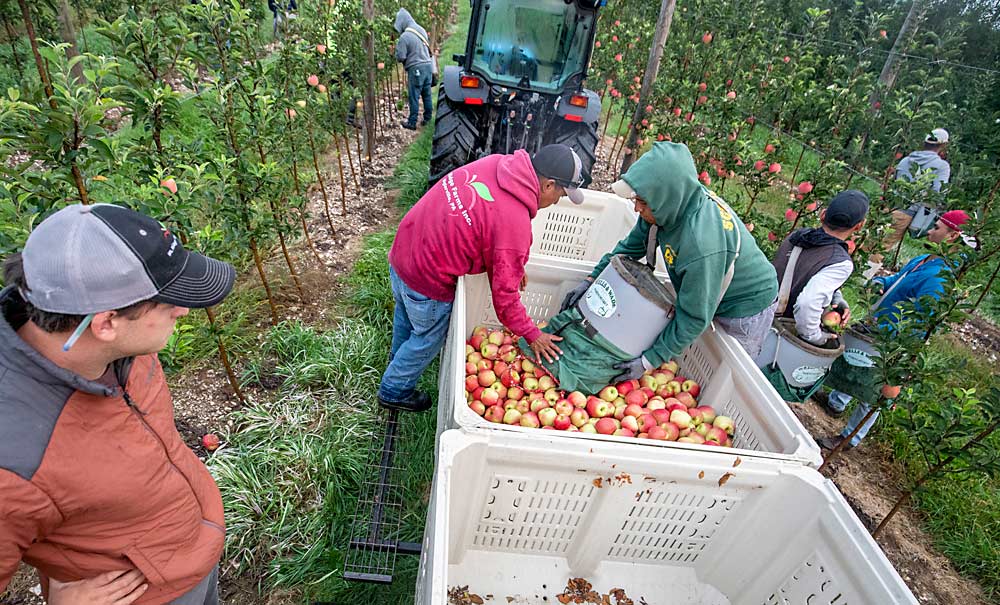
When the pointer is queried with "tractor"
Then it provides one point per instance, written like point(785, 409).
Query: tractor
point(519, 84)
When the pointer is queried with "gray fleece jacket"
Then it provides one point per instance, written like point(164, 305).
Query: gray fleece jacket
point(914, 165)
point(410, 49)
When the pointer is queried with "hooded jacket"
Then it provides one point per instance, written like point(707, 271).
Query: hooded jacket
point(476, 219)
point(410, 49)
point(925, 275)
point(822, 268)
point(698, 241)
point(94, 476)
point(912, 166)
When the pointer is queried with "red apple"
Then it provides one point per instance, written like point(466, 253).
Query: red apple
point(472, 382)
point(489, 350)
point(606, 426)
point(681, 419)
point(547, 416)
point(539, 404)
point(623, 432)
point(648, 382)
point(608, 393)
point(512, 417)
point(486, 378)
point(563, 406)
point(670, 366)
point(515, 392)
point(210, 441)
point(490, 397)
point(889, 391)
point(529, 420)
point(672, 430)
point(588, 428)
point(656, 403)
point(630, 423)
point(494, 414)
point(577, 399)
point(657, 433)
point(579, 417)
point(313, 80)
point(478, 407)
point(619, 411)
point(634, 410)
point(507, 353)
point(660, 416)
point(692, 387)
point(474, 357)
point(725, 423)
point(530, 383)
point(646, 422)
point(636, 397)
point(831, 320)
point(717, 435)
point(707, 414)
point(562, 422)
point(686, 398)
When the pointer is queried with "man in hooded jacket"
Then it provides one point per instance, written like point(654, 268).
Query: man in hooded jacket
point(413, 50)
point(701, 240)
point(927, 161)
point(477, 219)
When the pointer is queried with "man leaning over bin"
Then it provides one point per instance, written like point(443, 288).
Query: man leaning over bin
point(477, 219)
point(98, 491)
point(714, 263)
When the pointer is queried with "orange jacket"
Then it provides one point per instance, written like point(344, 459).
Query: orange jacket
point(95, 478)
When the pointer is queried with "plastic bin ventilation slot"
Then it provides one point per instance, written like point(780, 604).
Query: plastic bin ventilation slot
point(517, 517)
point(730, 381)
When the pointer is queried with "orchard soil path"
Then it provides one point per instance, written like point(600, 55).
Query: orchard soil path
point(203, 399)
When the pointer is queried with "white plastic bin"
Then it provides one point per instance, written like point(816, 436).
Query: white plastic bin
point(730, 381)
point(585, 232)
point(516, 518)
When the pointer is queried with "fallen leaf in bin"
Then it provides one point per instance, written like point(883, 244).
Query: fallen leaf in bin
point(737, 462)
point(597, 482)
point(723, 479)
point(701, 475)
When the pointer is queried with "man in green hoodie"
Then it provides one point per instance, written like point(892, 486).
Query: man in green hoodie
point(714, 263)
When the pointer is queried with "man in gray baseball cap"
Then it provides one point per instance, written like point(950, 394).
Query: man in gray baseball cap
point(101, 495)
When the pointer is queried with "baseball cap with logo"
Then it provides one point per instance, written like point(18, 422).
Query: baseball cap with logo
point(561, 164)
point(89, 259)
point(938, 136)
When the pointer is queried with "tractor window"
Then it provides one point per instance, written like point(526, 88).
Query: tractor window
point(544, 41)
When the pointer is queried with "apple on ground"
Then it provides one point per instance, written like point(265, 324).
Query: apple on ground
point(562, 422)
point(210, 441)
point(495, 414)
point(608, 393)
point(692, 387)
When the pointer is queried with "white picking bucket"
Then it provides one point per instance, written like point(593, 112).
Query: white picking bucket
point(801, 363)
point(627, 305)
point(513, 519)
point(859, 349)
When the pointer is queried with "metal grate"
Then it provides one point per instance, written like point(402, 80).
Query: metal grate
point(811, 584)
point(371, 554)
point(531, 516)
point(670, 526)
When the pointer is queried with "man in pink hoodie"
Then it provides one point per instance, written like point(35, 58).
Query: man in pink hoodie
point(476, 219)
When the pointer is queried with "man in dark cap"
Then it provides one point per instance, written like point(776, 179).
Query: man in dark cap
point(812, 265)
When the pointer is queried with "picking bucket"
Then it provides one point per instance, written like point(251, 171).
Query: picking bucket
point(627, 305)
point(801, 363)
point(855, 372)
point(859, 349)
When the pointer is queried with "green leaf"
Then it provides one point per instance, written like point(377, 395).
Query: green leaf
point(482, 190)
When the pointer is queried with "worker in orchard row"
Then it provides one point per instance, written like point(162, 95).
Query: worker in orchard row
point(714, 264)
point(477, 219)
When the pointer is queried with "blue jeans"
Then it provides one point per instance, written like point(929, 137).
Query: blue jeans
point(419, 87)
point(419, 327)
point(839, 402)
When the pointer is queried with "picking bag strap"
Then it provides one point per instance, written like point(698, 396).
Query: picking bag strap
point(421, 36)
point(786, 280)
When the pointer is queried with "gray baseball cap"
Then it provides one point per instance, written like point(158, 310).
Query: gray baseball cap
point(101, 257)
point(562, 164)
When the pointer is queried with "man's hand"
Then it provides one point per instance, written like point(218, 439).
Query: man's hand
point(111, 588)
point(545, 345)
point(574, 295)
point(633, 368)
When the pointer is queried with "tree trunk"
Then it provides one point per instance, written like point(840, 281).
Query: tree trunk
point(652, 68)
point(224, 357)
point(68, 35)
point(369, 15)
point(12, 36)
point(891, 67)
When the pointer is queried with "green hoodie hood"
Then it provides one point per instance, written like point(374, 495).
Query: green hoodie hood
point(665, 177)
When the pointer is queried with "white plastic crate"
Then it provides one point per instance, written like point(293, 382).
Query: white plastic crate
point(730, 381)
point(516, 518)
point(585, 232)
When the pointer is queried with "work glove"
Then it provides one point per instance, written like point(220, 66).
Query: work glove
point(633, 368)
point(573, 296)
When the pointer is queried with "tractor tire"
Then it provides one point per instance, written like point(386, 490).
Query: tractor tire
point(455, 137)
point(583, 139)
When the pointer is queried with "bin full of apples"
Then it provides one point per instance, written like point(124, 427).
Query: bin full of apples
point(505, 387)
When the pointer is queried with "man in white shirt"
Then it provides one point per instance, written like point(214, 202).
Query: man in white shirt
point(822, 265)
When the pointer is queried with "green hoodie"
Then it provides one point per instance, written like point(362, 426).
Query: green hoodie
point(698, 240)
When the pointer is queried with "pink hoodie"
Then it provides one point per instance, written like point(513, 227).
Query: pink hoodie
point(475, 219)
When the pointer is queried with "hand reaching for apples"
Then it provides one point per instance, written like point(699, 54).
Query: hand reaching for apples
point(111, 588)
point(545, 346)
